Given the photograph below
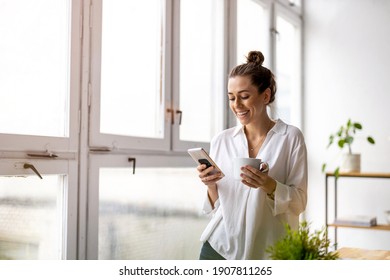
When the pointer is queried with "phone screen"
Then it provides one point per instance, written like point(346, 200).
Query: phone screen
point(205, 161)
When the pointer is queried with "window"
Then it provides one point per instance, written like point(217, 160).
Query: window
point(131, 68)
point(201, 75)
point(135, 104)
point(151, 214)
point(288, 66)
point(157, 84)
point(34, 86)
point(253, 20)
point(37, 215)
point(92, 89)
point(274, 28)
point(39, 125)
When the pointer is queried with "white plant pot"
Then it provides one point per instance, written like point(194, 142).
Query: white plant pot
point(350, 163)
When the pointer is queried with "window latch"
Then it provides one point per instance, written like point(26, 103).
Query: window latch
point(42, 155)
point(133, 160)
point(180, 113)
point(32, 167)
point(171, 112)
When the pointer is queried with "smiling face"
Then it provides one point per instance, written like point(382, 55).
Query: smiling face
point(249, 106)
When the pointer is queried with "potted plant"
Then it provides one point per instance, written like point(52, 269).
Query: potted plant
point(344, 137)
point(301, 244)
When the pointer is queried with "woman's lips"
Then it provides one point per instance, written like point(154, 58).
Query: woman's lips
point(242, 114)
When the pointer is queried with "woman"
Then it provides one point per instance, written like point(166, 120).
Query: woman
point(249, 215)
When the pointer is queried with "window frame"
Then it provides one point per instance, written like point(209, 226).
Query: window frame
point(183, 145)
point(56, 155)
point(13, 167)
point(17, 142)
point(98, 140)
point(171, 140)
point(99, 160)
point(295, 19)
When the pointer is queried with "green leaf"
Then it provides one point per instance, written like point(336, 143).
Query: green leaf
point(323, 167)
point(357, 125)
point(330, 141)
point(340, 132)
point(349, 123)
point(337, 172)
point(370, 140)
point(341, 143)
point(349, 140)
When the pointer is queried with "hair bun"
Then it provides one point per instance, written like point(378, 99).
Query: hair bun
point(255, 57)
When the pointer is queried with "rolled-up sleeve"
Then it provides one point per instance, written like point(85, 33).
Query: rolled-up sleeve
point(208, 208)
point(291, 196)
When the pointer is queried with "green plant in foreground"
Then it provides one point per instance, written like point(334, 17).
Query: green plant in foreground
point(302, 245)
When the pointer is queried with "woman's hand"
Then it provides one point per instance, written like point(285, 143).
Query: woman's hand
point(210, 180)
point(207, 178)
point(256, 178)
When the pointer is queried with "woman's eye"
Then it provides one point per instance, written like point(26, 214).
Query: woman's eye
point(244, 97)
point(231, 99)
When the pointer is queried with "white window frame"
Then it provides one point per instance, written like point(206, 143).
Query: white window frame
point(14, 142)
point(268, 52)
point(170, 142)
point(292, 6)
point(295, 19)
point(55, 155)
point(14, 167)
point(103, 141)
point(97, 161)
point(177, 144)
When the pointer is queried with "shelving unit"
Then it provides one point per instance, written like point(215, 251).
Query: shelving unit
point(351, 175)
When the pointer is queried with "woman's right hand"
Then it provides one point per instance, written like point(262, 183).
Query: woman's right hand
point(207, 178)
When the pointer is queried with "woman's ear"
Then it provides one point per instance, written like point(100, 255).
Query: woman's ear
point(267, 96)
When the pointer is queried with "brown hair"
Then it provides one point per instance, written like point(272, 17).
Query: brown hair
point(260, 76)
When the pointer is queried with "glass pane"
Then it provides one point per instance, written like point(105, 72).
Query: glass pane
point(31, 217)
point(34, 67)
point(131, 76)
point(288, 71)
point(251, 34)
point(201, 68)
point(154, 214)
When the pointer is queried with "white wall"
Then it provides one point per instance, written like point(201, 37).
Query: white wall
point(347, 75)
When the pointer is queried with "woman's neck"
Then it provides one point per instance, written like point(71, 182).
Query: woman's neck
point(258, 130)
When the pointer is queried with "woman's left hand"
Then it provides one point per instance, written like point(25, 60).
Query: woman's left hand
point(255, 178)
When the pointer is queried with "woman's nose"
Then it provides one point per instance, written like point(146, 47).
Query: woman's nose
point(237, 103)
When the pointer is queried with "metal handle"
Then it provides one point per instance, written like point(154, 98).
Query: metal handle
point(275, 32)
point(32, 167)
point(134, 161)
point(180, 115)
point(172, 112)
point(42, 155)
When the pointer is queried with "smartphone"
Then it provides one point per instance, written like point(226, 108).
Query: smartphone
point(202, 157)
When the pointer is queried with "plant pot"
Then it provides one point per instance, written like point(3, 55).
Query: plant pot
point(350, 163)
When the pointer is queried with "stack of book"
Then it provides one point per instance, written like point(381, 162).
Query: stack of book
point(358, 220)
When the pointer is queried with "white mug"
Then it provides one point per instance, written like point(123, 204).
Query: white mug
point(240, 162)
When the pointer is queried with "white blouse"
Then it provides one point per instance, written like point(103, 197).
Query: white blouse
point(245, 221)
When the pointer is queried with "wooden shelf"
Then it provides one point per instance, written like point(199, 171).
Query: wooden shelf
point(377, 227)
point(363, 254)
point(360, 174)
point(336, 226)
